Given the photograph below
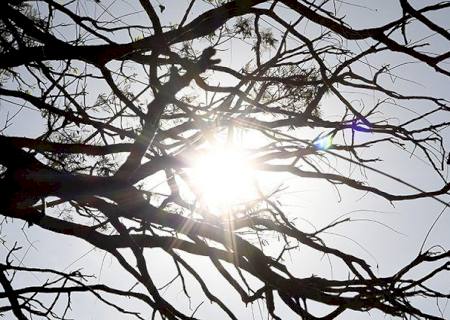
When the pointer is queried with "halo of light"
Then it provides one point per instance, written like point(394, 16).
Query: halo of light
point(223, 179)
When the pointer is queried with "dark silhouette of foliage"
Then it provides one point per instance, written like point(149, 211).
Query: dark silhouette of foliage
point(122, 100)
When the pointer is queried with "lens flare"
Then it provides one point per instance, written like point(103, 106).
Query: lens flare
point(223, 179)
point(324, 143)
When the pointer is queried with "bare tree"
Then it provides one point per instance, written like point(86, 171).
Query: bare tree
point(124, 92)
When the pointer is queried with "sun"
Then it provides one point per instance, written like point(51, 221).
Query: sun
point(224, 179)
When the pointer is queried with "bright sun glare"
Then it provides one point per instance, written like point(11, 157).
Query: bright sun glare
point(223, 179)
